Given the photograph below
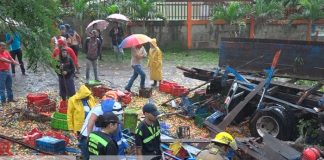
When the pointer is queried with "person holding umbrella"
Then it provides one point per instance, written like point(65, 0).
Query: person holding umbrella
point(138, 53)
point(116, 34)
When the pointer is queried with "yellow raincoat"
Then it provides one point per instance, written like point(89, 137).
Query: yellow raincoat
point(75, 112)
point(155, 62)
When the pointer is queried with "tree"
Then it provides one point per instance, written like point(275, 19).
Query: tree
point(35, 21)
point(232, 13)
point(311, 10)
point(142, 10)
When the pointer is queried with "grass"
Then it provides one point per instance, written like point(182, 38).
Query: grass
point(183, 57)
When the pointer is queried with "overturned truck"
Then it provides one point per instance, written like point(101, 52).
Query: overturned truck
point(273, 107)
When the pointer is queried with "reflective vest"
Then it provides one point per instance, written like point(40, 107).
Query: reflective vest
point(97, 144)
point(155, 132)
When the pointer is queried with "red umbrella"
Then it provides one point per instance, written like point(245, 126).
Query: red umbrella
point(134, 40)
point(117, 17)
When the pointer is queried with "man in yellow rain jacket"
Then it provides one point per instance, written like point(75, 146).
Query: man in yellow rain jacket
point(79, 106)
point(155, 62)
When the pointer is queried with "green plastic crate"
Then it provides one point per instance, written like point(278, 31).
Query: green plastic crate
point(199, 119)
point(59, 115)
point(59, 121)
point(130, 119)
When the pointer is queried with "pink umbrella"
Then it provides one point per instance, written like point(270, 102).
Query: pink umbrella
point(98, 24)
point(117, 17)
point(134, 40)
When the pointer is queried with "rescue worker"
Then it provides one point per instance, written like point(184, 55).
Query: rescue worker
point(221, 148)
point(147, 134)
point(109, 104)
point(100, 142)
point(311, 153)
point(79, 106)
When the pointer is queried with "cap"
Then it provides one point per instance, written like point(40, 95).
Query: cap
point(60, 42)
point(110, 117)
point(150, 108)
point(62, 27)
point(107, 105)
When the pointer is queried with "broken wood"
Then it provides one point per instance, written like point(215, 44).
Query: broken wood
point(234, 112)
point(308, 92)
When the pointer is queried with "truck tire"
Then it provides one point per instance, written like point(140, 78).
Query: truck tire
point(273, 120)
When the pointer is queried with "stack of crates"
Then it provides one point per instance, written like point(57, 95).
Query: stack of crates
point(59, 121)
point(50, 144)
point(5, 148)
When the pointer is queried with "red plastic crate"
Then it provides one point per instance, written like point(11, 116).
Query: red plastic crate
point(58, 135)
point(51, 107)
point(32, 97)
point(99, 91)
point(63, 106)
point(30, 137)
point(166, 86)
point(127, 98)
point(5, 148)
point(178, 91)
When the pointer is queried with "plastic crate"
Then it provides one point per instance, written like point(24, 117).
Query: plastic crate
point(130, 119)
point(59, 121)
point(145, 92)
point(50, 144)
point(5, 148)
point(30, 137)
point(127, 98)
point(178, 90)
point(62, 108)
point(50, 107)
point(99, 91)
point(32, 97)
point(58, 135)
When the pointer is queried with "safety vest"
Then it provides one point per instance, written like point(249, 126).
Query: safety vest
point(155, 132)
point(97, 145)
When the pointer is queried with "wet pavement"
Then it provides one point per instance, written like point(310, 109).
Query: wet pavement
point(111, 72)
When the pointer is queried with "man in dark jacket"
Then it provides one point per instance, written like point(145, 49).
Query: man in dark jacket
point(92, 50)
point(116, 34)
point(66, 75)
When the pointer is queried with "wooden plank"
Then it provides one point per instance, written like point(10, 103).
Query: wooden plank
point(279, 147)
point(234, 112)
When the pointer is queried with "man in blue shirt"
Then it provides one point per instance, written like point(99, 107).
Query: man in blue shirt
point(14, 41)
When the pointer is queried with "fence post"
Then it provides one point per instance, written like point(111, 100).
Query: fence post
point(252, 23)
point(189, 24)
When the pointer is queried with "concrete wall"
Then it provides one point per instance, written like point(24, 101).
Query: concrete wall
point(172, 34)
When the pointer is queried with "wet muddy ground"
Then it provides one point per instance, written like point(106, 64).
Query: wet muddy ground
point(111, 72)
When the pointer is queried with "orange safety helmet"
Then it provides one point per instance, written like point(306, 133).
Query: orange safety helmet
point(311, 153)
point(110, 94)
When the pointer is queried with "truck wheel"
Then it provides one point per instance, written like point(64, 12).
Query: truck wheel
point(273, 120)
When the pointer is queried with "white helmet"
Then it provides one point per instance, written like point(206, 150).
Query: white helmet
point(117, 109)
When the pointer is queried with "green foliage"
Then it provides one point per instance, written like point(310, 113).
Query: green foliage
point(34, 20)
point(264, 10)
point(233, 13)
point(308, 128)
point(111, 9)
point(142, 9)
point(310, 9)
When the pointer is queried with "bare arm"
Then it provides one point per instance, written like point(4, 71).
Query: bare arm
point(139, 153)
point(91, 122)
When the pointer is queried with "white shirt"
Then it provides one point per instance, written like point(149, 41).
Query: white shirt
point(97, 110)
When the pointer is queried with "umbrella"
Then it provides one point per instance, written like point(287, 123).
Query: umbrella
point(117, 17)
point(101, 25)
point(134, 40)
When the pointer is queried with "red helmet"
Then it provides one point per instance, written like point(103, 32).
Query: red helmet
point(311, 153)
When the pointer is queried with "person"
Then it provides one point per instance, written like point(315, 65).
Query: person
point(311, 153)
point(138, 53)
point(14, 41)
point(221, 148)
point(109, 104)
point(62, 44)
point(99, 36)
point(147, 134)
point(73, 40)
point(62, 35)
point(116, 34)
point(79, 106)
point(66, 75)
point(5, 76)
point(92, 50)
point(320, 107)
point(100, 142)
point(155, 62)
